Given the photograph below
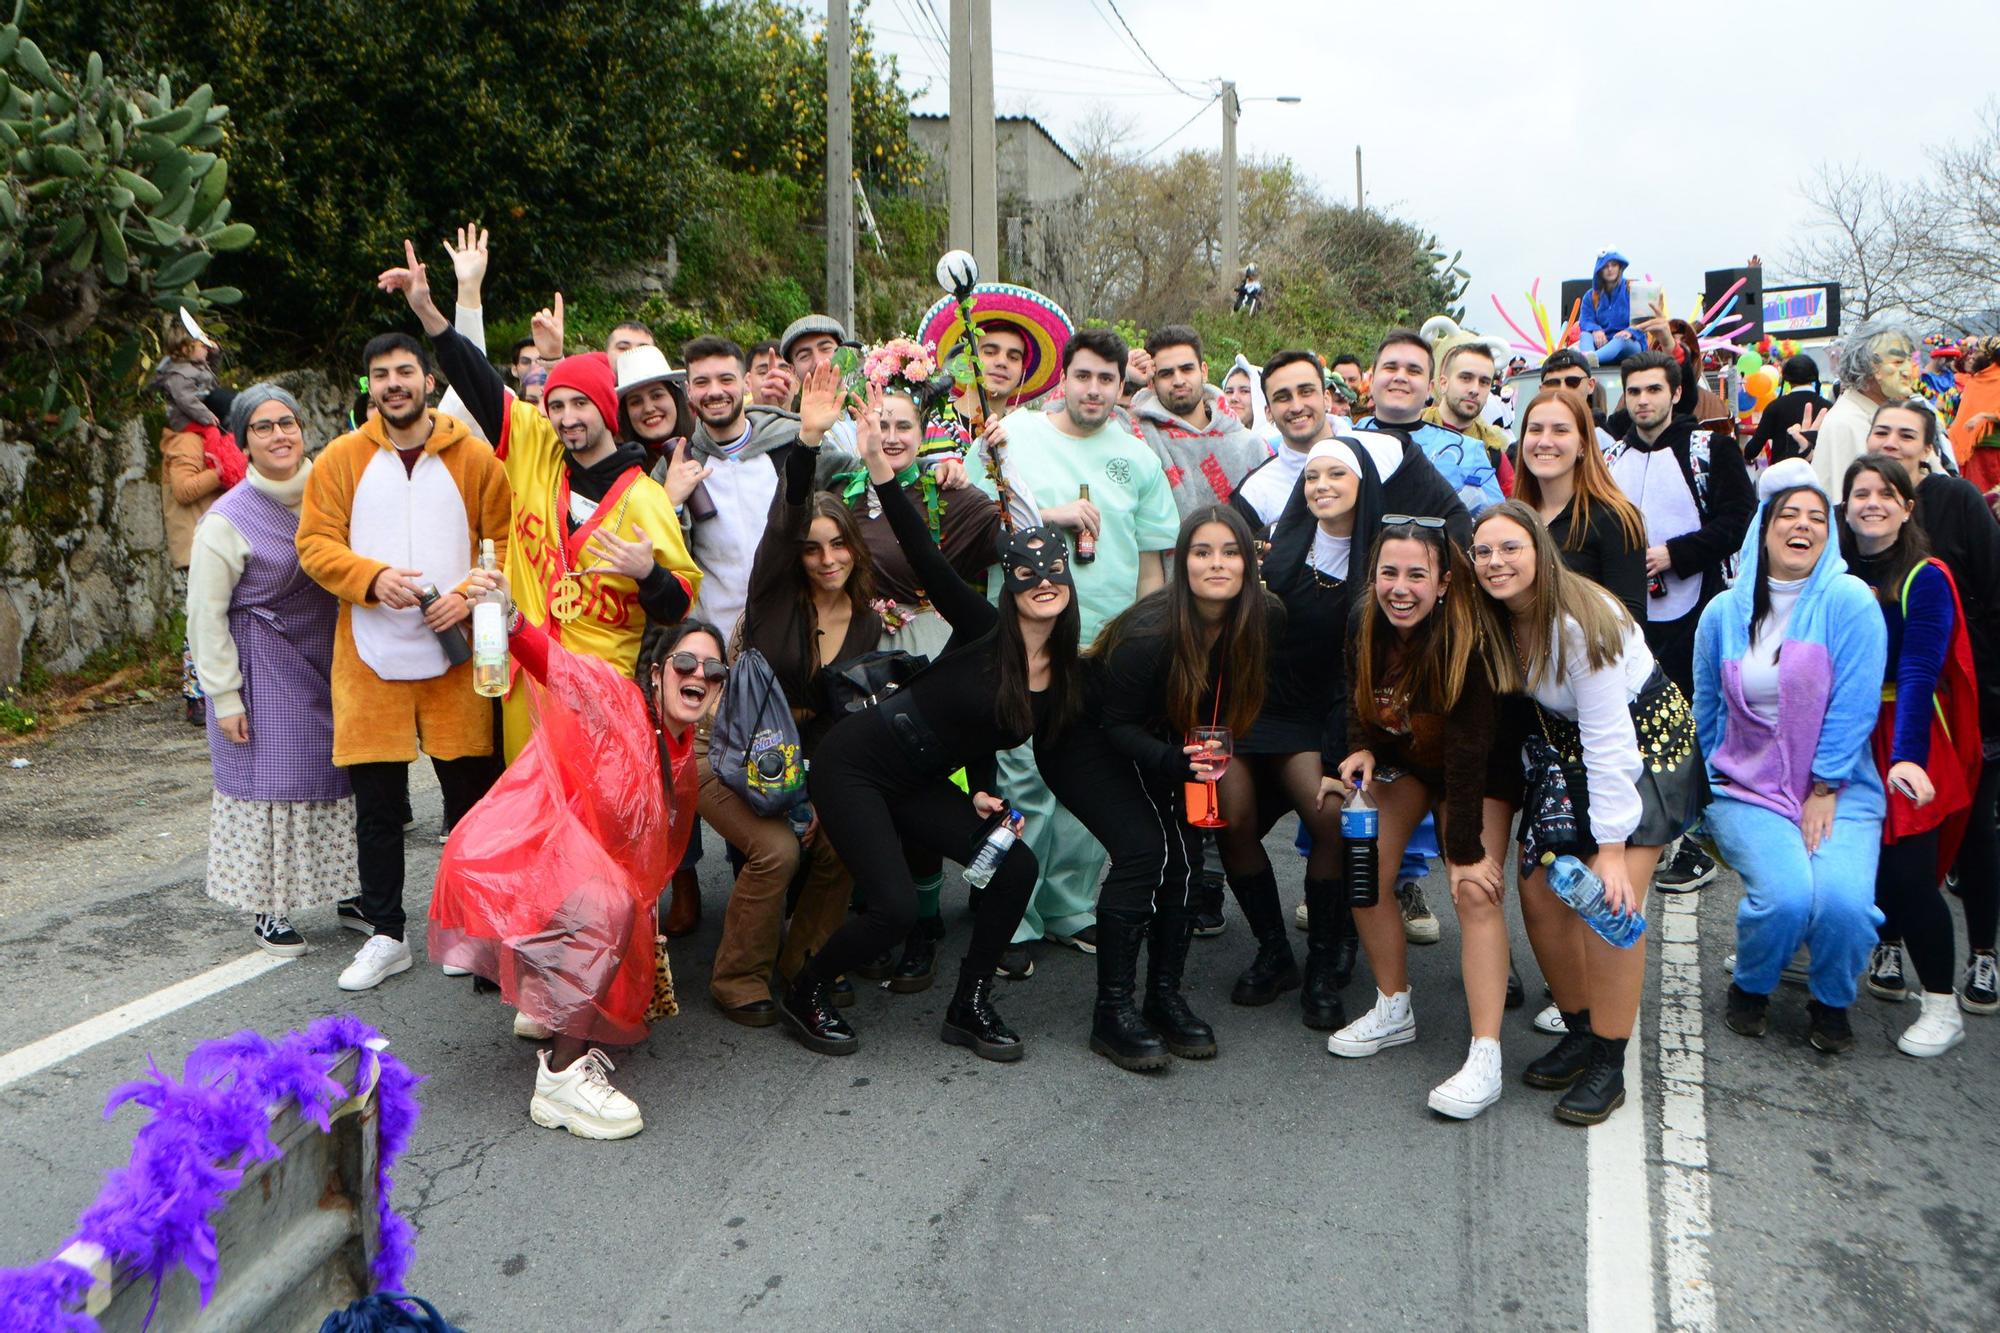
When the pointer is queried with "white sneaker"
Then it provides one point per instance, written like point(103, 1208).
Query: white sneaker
point(581, 1099)
point(1938, 1028)
point(451, 971)
point(1474, 1087)
point(1390, 1023)
point(1550, 1020)
point(528, 1029)
point(379, 959)
point(1299, 917)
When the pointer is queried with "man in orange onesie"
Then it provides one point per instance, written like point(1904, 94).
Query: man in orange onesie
point(397, 505)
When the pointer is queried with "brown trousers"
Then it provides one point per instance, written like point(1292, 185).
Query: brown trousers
point(755, 920)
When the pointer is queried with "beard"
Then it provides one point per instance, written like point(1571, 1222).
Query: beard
point(408, 419)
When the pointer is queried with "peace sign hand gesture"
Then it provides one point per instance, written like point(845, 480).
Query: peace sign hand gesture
point(1806, 433)
point(415, 285)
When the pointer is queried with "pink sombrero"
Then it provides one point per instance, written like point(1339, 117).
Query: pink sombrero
point(1038, 319)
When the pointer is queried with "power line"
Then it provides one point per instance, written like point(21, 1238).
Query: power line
point(937, 21)
point(1183, 125)
point(1141, 48)
point(1038, 57)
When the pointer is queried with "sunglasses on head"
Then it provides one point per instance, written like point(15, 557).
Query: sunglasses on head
point(712, 668)
point(1411, 521)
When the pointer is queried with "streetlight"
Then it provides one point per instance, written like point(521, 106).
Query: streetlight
point(1232, 107)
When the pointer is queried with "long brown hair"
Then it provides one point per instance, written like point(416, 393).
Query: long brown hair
point(1449, 641)
point(1557, 593)
point(1910, 549)
point(860, 587)
point(1243, 636)
point(1593, 483)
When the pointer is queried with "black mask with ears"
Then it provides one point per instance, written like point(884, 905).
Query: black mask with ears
point(1033, 554)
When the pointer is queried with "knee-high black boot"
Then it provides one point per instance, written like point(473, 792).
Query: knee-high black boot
point(1273, 971)
point(1185, 1034)
point(1117, 1032)
point(1325, 926)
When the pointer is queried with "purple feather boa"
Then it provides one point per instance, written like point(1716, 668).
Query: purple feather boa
point(156, 1212)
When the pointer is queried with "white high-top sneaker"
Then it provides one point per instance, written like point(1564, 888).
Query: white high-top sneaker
point(581, 1099)
point(1474, 1087)
point(528, 1029)
point(1390, 1023)
point(1938, 1028)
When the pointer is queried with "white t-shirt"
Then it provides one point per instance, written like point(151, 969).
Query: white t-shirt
point(1600, 703)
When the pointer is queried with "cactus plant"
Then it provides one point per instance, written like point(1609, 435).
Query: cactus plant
point(115, 198)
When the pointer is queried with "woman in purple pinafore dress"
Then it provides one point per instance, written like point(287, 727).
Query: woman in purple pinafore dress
point(281, 822)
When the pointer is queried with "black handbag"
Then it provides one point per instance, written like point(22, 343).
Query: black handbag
point(864, 681)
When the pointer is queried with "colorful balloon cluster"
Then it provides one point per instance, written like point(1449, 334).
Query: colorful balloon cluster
point(1760, 381)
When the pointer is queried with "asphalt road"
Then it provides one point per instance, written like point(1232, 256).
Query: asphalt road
point(915, 1186)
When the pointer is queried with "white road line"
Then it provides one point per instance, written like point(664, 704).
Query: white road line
point(1619, 1234)
point(72, 1041)
point(1686, 1221)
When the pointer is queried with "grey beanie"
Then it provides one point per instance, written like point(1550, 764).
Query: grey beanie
point(254, 397)
point(809, 324)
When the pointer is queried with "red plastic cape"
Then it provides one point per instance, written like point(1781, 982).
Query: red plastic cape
point(1955, 756)
point(548, 885)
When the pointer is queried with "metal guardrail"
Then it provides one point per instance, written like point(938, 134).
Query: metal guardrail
point(294, 1241)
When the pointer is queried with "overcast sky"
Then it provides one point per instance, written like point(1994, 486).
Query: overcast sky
point(1530, 144)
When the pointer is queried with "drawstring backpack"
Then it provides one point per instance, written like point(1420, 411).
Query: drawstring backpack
point(754, 745)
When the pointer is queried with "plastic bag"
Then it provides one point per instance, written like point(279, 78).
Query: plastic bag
point(547, 886)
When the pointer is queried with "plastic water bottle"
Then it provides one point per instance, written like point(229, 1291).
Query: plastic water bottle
point(1360, 826)
point(800, 817)
point(1574, 883)
point(991, 852)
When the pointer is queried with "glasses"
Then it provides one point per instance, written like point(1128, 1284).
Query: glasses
point(1485, 555)
point(1411, 521)
point(1571, 382)
point(712, 668)
point(264, 430)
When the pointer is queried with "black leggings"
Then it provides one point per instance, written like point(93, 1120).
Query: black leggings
point(871, 803)
point(1155, 854)
point(381, 795)
point(1906, 889)
point(1979, 862)
point(1258, 791)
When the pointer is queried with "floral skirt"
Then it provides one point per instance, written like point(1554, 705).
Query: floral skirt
point(281, 857)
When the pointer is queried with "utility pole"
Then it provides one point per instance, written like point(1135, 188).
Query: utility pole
point(972, 154)
point(839, 166)
point(1232, 265)
point(1359, 203)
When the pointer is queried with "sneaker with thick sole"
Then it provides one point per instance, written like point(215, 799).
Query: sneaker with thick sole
point(1474, 1087)
point(1981, 992)
point(1938, 1028)
point(349, 913)
point(1420, 925)
point(452, 971)
point(1016, 963)
point(1885, 972)
point(1390, 1023)
point(1301, 917)
point(379, 959)
point(527, 1029)
point(1689, 870)
point(1550, 1020)
point(275, 936)
point(581, 1099)
point(1083, 941)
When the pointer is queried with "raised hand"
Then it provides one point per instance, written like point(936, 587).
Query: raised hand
point(820, 402)
point(468, 263)
point(868, 437)
point(684, 474)
point(1806, 433)
point(547, 327)
point(414, 282)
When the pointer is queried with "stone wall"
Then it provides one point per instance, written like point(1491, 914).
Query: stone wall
point(83, 558)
